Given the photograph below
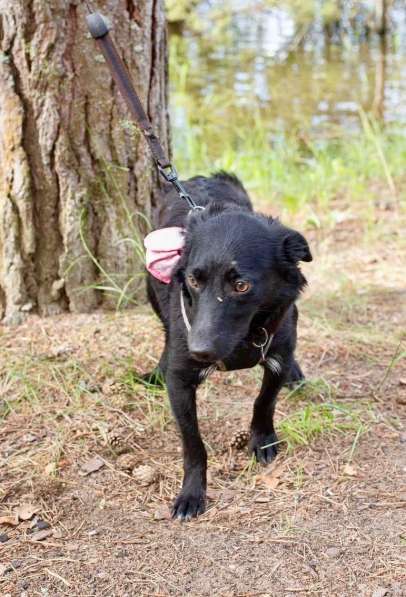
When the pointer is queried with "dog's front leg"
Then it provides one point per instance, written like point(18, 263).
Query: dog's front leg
point(182, 394)
point(263, 437)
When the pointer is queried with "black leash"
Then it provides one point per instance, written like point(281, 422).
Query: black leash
point(99, 29)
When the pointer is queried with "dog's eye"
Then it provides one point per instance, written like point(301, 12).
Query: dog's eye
point(192, 281)
point(242, 286)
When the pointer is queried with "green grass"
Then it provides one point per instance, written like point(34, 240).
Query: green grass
point(325, 180)
point(294, 175)
point(213, 131)
point(317, 411)
point(151, 401)
point(311, 389)
point(124, 289)
point(302, 426)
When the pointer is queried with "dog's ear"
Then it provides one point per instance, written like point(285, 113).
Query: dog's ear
point(194, 218)
point(295, 247)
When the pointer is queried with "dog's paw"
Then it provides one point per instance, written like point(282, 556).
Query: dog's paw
point(188, 505)
point(264, 447)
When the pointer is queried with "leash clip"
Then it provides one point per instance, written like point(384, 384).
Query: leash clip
point(170, 174)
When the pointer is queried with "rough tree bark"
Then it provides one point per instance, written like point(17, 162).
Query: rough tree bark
point(63, 134)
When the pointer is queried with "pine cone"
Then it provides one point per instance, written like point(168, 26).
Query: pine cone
point(144, 474)
point(126, 462)
point(118, 400)
point(240, 440)
point(117, 439)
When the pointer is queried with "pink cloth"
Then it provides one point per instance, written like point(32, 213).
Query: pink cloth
point(164, 248)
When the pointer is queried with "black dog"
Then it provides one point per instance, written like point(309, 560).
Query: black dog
point(231, 305)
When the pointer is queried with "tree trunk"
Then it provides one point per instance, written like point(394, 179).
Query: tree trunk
point(378, 104)
point(73, 171)
point(381, 16)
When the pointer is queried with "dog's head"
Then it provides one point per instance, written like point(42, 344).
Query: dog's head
point(236, 266)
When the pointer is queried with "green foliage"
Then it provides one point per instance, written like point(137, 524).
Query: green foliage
point(305, 13)
point(151, 401)
point(179, 10)
point(312, 420)
point(123, 288)
point(292, 171)
point(318, 412)
point(272, 144)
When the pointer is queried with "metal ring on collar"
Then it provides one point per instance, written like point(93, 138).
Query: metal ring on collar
point(264, 343)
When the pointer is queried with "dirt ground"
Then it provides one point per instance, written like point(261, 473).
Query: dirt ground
point(90, 460)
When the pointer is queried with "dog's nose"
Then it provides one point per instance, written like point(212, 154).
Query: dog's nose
point(203, 355)
point(202, 350)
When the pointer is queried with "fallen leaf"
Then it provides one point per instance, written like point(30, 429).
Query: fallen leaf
point(26, 511)
point(91, 466)
point(41, 535)
point(350, 470)
point(213, 494)
point(402, 381)
point(11, 520)
point(380, 592)
point(271, 482)
point(29, 438)
point(272, 476)
point(61, 351)
point(162, 513)
point(50, 468)
point(227, 495)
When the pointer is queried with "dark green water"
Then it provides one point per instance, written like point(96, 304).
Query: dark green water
point(255, 72)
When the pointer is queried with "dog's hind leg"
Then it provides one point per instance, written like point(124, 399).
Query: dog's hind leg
point(295, 375)
point(156, 377)
point(263, 437)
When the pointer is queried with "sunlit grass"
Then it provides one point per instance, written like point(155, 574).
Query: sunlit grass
point(123, 289)
point(297, 171)
point(311, 389)
point(322, 179)
point(292, 175)
point(301, 427)
point(150, 402)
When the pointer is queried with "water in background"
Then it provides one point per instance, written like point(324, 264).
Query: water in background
point(258, 72)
